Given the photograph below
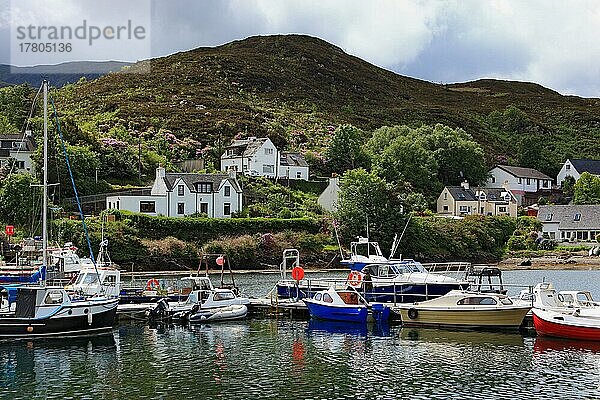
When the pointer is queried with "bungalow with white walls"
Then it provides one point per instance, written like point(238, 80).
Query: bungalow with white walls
point(259, 157)
point(526, 184)
point(17, 148)
point(570, 222)
point(180, 195)
point(576, 167)
point(459, 201)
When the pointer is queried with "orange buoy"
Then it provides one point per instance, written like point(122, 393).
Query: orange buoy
point(152, 284)
point(354, 278)
point(298, 273)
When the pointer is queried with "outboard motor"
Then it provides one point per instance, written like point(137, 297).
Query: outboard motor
point(159, 311)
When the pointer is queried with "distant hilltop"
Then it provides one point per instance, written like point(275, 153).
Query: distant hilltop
point(59, 74)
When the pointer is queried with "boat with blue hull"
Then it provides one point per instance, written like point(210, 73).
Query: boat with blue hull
point(338, 305)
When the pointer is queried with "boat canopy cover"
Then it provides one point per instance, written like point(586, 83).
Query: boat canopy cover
point(33, 278)
point(26, 298)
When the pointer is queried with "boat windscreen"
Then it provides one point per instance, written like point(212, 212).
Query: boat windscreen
point(87, 279)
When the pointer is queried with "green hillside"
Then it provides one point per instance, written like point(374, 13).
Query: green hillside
point(293, 87)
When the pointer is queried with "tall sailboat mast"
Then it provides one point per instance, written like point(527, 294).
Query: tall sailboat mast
point(45, 183)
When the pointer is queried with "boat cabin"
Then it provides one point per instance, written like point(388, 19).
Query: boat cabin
point(92, 281)
point(32, 301)
point(576, 299)
point(395, 269)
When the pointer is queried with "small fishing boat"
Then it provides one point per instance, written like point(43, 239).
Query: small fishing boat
point(46, 311)
point(567, 325)
point(338, 305)
point(228, 313)
point(464, 309)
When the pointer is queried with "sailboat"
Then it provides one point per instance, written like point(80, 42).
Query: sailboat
point(36, 311)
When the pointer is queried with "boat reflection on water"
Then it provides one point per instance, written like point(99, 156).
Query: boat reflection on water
point(28, 361)
point(544, 344)
point(317, 326)
point(474, 338)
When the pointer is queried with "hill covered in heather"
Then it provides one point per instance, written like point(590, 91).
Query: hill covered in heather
point(289, 85)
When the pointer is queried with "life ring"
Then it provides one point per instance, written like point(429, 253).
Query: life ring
point(413, 313)
point(152, 284)
point(355, 278)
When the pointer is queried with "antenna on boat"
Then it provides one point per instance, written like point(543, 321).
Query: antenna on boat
point(45, 184)
point(397, 239)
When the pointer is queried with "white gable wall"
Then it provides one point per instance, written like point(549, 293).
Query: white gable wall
point(567, 170)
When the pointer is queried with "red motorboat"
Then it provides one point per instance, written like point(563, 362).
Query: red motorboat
point(569, 325)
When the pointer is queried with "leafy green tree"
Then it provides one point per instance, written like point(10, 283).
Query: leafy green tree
point(6, 126)
point(457, 155)
point(568, 186)
point(18, 200)
point(346, 149)
point(15, 103)
point(406, 161)
point(364, 196)
point(587, 189)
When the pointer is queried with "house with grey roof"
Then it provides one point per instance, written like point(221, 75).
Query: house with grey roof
point(16, 150)
point(570, 222)
point(576, 167)
point(459, 201)
point(527, 184)
point(259, 157)
point(184, 194)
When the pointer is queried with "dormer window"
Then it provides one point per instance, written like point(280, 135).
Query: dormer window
point(180, 190)
point(492, 179)
point(549, 217)
point(482, 196)
point(577, 217)
point(568, 167)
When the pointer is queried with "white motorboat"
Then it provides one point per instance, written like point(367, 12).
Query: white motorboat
point(464, 309)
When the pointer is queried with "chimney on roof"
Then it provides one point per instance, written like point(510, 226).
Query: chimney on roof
point(160, 172)
point(231, 172)
point(465, 184)
point(506, 185)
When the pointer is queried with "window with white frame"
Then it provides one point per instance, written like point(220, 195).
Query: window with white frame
point(577, 217)
point(268, 169)
point(180, 208)
point(502, 209)
point(226, 208)
point(180, 190)
point(549, 217)
point(227, 191)
point(268, 152)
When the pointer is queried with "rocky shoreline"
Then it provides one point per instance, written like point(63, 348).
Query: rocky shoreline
point(551, 262)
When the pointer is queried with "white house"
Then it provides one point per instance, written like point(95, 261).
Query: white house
point(570, 222)
point(292, 166)
point(178, 195)
point(19, 148)
point(259, 157)
point(576, 167)
point(527, 184)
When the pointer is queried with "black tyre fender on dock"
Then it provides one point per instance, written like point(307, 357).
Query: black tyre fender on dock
point(413, 313)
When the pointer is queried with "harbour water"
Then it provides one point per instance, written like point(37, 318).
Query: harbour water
point(268, 359)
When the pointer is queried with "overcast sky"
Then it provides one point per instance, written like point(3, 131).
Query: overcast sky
point(554, 43)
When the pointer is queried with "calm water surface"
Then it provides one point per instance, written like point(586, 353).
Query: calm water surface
point(263, 359)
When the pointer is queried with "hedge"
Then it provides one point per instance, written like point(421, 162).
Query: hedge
point(205, 229)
